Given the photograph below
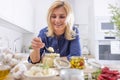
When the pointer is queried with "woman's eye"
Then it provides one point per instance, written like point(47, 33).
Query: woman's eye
point(62, 16)
point(53, 16)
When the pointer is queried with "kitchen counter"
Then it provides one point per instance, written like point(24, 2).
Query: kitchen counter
point(11, 78)
point(28, 65)
point(88, 56)
point(91, 65)
point(87, 70)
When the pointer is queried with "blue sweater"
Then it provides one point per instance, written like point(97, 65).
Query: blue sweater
point(66, 48)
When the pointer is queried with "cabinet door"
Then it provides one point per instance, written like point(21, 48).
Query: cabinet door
point(81, 11)
point(6, 9)
point(18, 12)
point(23, 14)
point(101, 7)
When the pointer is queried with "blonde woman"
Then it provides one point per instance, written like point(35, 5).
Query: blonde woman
point(59, 34)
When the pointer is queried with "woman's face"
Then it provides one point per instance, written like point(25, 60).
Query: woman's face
point(58, 20)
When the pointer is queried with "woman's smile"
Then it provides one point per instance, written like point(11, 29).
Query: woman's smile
point(58, 25)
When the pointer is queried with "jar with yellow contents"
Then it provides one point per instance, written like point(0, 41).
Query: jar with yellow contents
point(77, 62)
point(4, 71)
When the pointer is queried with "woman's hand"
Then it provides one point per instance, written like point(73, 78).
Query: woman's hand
point(37, 43)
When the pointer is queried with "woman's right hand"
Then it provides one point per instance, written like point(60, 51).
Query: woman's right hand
point(37, 43)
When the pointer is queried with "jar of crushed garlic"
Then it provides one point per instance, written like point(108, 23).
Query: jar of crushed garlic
point(77, 62)
point(48, 59)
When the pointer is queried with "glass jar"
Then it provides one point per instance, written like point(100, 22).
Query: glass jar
point(4, 71)
point(77, 62)
point(48, 59)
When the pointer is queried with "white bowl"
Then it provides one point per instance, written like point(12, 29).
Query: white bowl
point(71, 74)
point(53, 74)
point(61, 63)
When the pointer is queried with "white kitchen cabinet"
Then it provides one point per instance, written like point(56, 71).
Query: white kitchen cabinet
point(81, 11)
point(102, 7)
point(6, 10)
point(18, 12)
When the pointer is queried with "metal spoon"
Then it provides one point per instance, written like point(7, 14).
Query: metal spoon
point(50, 50)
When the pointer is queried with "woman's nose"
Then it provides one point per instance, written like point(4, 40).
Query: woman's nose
point(57, 19)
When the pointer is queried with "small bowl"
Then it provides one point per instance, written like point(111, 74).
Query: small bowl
point(61, 63)
point(72, 74)
point(4, 71)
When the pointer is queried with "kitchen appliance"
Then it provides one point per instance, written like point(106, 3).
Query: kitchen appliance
point(106, 40)
point(104, 28)
point(105, 51)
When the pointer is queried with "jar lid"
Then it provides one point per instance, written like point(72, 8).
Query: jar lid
point(52, 54)
point(77, 57)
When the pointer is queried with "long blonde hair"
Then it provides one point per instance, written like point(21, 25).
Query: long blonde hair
point(70, 19)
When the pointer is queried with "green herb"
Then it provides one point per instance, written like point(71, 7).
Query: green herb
point(45, 66)
point(115, 18)
point(30, 47)
point(96, 74)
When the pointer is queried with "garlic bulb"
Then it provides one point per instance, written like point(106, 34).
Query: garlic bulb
point(13, 62)
point(18, 70)
point(18, 56)
point(6, 58)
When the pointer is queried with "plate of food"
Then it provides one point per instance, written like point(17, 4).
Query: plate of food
point(40, 73)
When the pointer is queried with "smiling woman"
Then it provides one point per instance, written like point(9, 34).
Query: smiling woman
point(60, 34)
